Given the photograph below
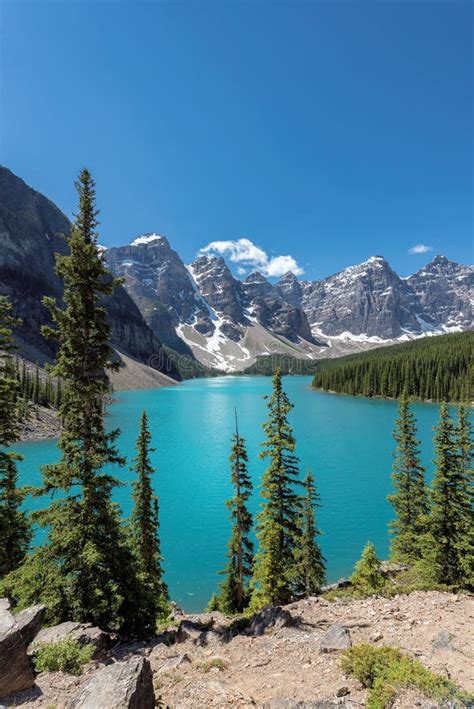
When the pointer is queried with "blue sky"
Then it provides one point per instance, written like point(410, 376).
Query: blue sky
point(323, 131)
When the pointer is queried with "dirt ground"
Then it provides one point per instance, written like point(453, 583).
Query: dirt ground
point(285, 666)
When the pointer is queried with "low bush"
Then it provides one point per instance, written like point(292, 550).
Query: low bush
point(386, 670)
point(63, 656)
point(214, 663)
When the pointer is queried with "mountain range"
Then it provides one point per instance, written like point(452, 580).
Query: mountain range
point(202, 312)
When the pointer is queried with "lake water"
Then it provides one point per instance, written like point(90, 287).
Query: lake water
point(347, 441)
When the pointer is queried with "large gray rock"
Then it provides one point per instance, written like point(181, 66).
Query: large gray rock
point(122, 685)
point(270, 617)
point(191, 630)
point(15, 670)
point(29, 622)
point(83, 633)
point(336, 638)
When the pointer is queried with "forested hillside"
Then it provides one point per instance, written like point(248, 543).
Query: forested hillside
point(432, 368)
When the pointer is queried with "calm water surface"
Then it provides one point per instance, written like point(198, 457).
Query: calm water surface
point(347, 441)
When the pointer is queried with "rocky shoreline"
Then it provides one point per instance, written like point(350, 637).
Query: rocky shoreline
point(281, 658)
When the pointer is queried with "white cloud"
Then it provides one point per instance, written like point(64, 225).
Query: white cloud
point(420, 249)
point(248, 255)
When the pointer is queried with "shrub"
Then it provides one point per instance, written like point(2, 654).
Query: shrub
point(64, 655)
point(386, 670)
point(214, 663)
point(368, 577)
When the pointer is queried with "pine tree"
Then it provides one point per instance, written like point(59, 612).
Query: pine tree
point(15, 530)
point(449, 552)
point(84, 570)
point(278, 522)
point(144, 522)
point(368, 577)
point(8, 383)
point(234, 594)
point(410, 500)
point(310, 563)
point(466, 472)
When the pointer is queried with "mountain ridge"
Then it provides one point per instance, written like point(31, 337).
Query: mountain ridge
point(205, 313)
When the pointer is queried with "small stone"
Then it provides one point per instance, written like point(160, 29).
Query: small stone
point(343, 692)
point(375, 637)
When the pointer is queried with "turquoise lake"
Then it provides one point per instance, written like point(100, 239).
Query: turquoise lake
point(346, 440)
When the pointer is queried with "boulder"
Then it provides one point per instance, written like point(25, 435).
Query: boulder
point(84, 633)
point(29, 622)
point(336, 638)
point(15, 670)
point(190, 630)
point(270, 617)
point(122, 685)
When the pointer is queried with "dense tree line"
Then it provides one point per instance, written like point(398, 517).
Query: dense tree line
point(431, 368)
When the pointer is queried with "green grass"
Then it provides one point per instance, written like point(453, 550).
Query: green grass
point(398, 583)
point(63, 656)
point(213, 663)
point(385, 671)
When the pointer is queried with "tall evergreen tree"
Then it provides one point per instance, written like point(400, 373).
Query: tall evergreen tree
point(410, 500)
point(15, 530)
point(8, 382)
point(449, 551)
point(234, 594)
point(84, 570)
point(144, 522)
point(310, 562)
point(278, 526)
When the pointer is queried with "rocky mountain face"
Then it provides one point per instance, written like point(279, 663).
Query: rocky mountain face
point(444, 291)
point(367, 300)
point(371, 302)
point(225, 322)
point(32, 230)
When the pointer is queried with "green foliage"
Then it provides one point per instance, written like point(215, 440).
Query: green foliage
point(310, 563)
point(84, 570)
point(449, 545)
point(215, 663)
point(144, 524)
point(278, 527)
point(368, 577)
point(15, 530)
point(433, 368)
point(385, 671)
point(234, 592)
point(8, 382)
point(213, 604)
point(409, 500)
point(65, 655)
